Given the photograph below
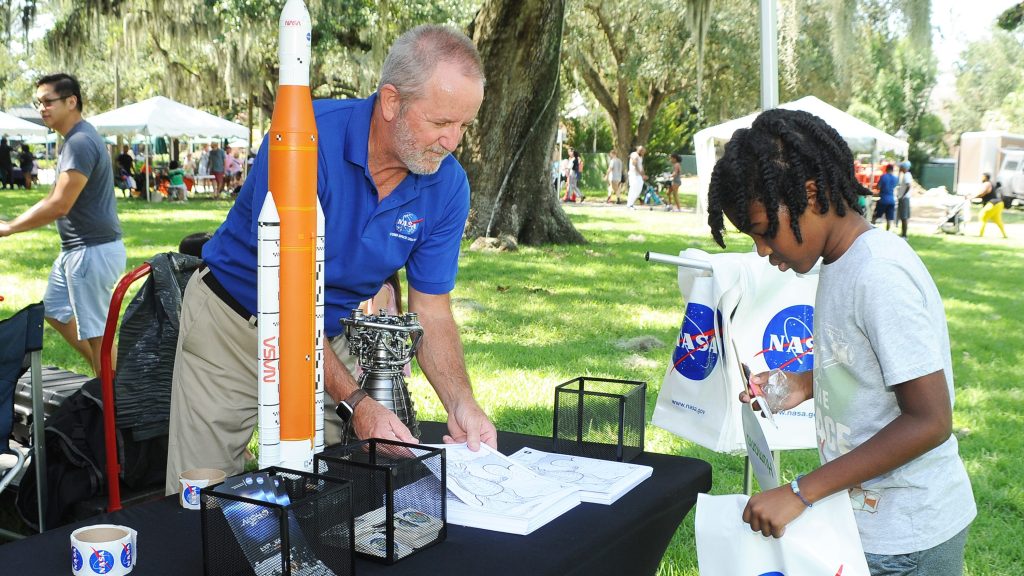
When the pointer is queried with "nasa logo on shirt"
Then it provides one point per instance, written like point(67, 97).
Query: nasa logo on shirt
point(408, 223)
point(788, 341)
point(699, 345)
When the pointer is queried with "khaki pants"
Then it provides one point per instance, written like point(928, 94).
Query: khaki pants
point(214, 388)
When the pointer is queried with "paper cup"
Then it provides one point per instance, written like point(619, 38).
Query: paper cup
point(192, 481)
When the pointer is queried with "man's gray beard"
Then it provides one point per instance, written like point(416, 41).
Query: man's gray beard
point(405, 146)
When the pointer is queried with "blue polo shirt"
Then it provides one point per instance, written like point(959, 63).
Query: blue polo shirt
point(418, 226)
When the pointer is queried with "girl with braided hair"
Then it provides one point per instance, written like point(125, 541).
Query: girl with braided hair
point(883, 416)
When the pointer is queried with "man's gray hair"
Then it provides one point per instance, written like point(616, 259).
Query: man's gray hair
point(415, 54)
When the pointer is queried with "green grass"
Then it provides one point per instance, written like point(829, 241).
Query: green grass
point(537, 317)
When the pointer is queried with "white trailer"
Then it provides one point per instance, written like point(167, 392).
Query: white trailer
point(982, 152)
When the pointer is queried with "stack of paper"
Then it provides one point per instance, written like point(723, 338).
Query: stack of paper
point(488, 490)
point(599, 481)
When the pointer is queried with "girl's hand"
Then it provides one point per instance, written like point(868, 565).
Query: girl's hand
point(769, 512)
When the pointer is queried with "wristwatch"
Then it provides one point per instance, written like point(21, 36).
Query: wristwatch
point(347, 407)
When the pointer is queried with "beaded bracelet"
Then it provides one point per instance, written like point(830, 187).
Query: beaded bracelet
point(795, 487)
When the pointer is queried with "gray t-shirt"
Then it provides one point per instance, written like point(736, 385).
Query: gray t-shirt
point(879, 322)
point(93, 218)
point(216, 160)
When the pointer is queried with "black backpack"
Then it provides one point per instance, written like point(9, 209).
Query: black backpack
point(75, 459)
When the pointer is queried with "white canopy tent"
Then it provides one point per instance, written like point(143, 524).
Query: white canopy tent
point(160, 116)
point(13, 126)
point(861, 137)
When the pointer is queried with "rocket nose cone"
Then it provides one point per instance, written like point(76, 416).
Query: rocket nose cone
point(295, 10)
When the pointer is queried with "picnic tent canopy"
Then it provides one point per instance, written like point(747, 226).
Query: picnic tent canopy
point(11, 125)
point(859, 135)
point(160, 116)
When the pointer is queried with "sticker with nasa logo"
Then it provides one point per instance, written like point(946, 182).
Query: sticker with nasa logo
point(126, 555)
point(699, 345)
point(101, 561)
point(788, 341)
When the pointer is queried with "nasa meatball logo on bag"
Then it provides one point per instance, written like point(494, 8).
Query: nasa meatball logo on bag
point(788, 342)
point(699, 346)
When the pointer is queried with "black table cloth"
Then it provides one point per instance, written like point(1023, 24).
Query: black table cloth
point(626, 538)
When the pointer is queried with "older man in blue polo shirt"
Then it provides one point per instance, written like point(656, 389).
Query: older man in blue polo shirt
point(393, 197)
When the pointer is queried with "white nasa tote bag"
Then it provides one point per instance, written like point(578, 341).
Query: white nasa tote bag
point(822, 541)
point(696, 400)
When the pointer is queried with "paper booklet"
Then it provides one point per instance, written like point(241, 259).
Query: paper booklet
point(487, 490)
point(599, 481)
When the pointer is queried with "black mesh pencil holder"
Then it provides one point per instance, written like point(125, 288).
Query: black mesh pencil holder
point(600, 418)
point(310, 534)
point(398, 495)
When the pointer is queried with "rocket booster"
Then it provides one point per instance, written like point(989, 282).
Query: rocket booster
point(290, 281)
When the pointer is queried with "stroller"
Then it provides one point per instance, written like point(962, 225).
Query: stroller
point(649, 196)
point(955, 215)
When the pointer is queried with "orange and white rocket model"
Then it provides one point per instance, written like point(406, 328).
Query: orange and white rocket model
point(290, 259)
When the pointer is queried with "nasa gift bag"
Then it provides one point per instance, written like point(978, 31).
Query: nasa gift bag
point(822, 541)
point(696, 400)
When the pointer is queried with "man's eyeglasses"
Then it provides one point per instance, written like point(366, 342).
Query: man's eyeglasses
point(46, 102)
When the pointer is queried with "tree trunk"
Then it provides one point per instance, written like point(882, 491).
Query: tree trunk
point(508, 153)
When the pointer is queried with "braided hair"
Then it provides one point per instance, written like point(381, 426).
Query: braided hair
point(771, 162)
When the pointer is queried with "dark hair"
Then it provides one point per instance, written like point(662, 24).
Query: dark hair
point(65, 85)
point(676, 157)
point(173, 165)
point(771, 162)
point(888, 168)
point(193, 244)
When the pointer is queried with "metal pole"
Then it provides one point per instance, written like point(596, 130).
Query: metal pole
point(769, 54)
point(677, 261)
point(39, 435)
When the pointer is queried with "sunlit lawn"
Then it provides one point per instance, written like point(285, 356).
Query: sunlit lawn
point(537, 317)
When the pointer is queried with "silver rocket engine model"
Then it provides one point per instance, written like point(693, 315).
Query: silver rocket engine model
point(383, 345)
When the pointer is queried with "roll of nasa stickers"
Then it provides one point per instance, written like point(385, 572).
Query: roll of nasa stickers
point(103, 549)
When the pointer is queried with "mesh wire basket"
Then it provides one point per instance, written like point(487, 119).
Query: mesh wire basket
point(398, 495)
point(305, 531)
point(600, 418)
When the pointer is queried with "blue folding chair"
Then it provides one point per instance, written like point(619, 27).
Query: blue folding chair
point(21, 344)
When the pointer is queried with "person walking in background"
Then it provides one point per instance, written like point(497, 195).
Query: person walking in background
point(903, 188)
point(672, 202)
point(882, 382)
point(6, 165)
point(92, 256)
point(216, 163)
point(636, 176)
point(886, 204)
point(572, 184)
point(204, 161)
point(992, 201)
point(613, 176)
point(26, 161)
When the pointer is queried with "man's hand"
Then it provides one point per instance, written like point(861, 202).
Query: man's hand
point(468, 423)
point(372, 420)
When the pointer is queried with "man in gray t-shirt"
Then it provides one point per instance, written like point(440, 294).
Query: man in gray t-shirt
point(83, 205)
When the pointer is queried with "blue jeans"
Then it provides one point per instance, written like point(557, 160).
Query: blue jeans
point(946, 559)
